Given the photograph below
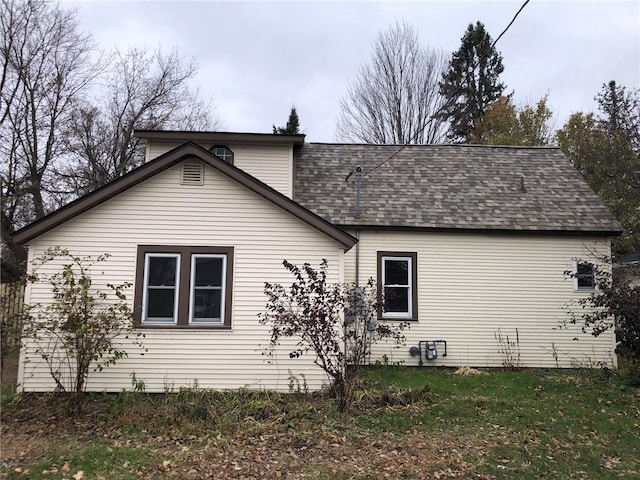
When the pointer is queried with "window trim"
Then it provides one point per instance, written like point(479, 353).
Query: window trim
point(193, 286)
point(184, 290)
point(576, 286)
point(413, 285)
point(213, 148)
point(145, 288)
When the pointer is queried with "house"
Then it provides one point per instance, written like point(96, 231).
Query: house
point(627, 268)
point(470, 244)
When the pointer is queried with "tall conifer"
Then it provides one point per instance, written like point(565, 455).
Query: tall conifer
point(471, 82)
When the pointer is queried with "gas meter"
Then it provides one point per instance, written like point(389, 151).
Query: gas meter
point(432, 352)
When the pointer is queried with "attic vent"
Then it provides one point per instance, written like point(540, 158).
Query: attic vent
point(192, 174)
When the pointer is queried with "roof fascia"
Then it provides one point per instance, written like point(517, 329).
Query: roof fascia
point(220, 137)
point(169, 159)
point(518, 231)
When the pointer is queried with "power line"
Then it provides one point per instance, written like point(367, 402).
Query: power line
point(510, 23)
point(453, 96)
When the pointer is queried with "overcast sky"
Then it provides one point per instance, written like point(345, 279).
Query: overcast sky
point(256, 59)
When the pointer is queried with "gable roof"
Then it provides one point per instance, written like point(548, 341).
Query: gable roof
point(450, 187)
point(169, 159)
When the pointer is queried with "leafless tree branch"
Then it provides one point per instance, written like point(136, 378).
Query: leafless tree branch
point(395, 95)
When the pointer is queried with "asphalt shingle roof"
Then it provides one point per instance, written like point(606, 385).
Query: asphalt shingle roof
point(449, 186)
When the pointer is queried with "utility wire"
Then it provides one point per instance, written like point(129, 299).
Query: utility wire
point(452, 98)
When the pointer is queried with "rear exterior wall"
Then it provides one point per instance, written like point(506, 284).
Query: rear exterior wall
point(475, 288)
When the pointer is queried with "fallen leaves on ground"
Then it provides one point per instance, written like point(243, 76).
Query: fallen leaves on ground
point(313, 453)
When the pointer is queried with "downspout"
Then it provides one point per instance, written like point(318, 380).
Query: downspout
point(358, 258)
point(358, 174)
point(358, 215)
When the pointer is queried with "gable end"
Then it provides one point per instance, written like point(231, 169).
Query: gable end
point(188, 151)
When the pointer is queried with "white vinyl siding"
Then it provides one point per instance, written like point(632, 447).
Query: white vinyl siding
point(271, 164)
point(473, 286)
point(161, 211)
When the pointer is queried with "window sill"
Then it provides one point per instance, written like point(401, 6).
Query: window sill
point(149, 326)
point(397, 319)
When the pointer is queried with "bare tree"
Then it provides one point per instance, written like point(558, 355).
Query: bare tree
point(67, 121)
point(143, 90)
point(46, 69)
point(395, 96)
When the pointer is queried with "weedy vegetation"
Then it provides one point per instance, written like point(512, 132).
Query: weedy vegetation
point(403, 423)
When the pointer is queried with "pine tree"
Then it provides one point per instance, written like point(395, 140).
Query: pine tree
point(620, 112)
point(292, 127)
point(471, 82)
point(605, 149)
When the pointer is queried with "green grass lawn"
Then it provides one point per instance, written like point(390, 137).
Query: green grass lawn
point(559, 424)
point(501, 424)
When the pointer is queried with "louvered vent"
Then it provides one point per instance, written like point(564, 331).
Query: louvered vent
point(192, 174)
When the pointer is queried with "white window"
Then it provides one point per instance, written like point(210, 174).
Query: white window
point(584, 275)
point(398, 285)
point(161, 287)
point(182, 287)
point(206, 302)
point(222, 152)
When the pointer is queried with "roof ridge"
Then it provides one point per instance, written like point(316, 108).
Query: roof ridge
point(437, 145)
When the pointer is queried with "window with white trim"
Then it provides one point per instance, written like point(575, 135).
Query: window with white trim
point(206, 302)
point(584, 275)
point(223, 152)
point(397, 284)
point(161, 286)
point(183, 287)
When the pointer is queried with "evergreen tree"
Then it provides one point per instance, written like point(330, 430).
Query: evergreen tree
point(292, 127)
point(605, 149)
point(620, 112)
point(471, 82)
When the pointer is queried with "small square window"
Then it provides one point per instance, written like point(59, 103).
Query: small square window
point(585, 275)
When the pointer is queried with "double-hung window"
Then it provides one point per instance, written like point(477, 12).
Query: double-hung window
point(161, 286)
point(206, 301)
point(183, 287)
point(397, 284)
point(584, 275)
